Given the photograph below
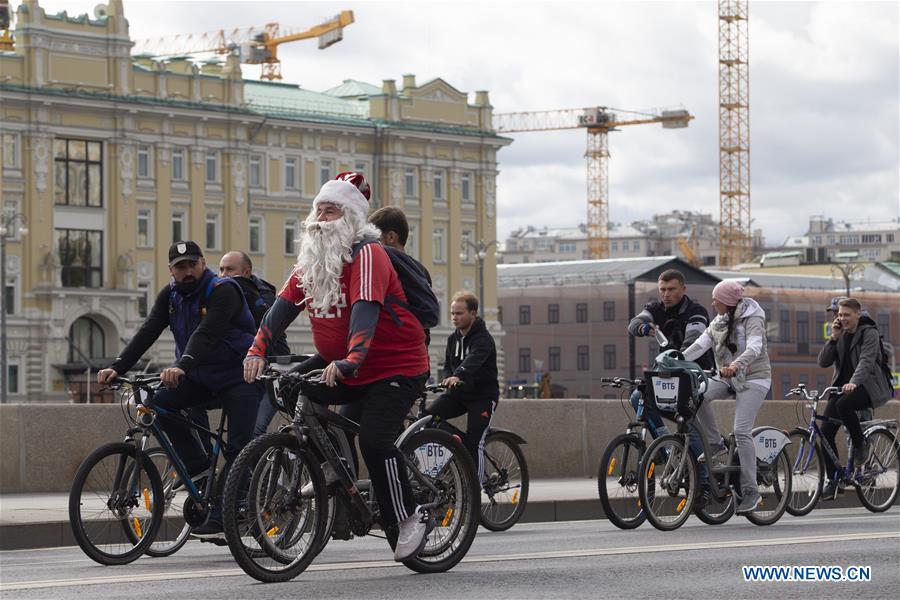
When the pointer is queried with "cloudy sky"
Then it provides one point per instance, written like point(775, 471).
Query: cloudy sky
point(824, 93)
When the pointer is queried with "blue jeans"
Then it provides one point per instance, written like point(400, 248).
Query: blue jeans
point(655, 423)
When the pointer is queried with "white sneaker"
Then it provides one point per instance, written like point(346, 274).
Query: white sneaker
point(412, 535)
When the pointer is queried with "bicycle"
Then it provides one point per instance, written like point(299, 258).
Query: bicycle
point(505, 478)
point(124, 493)
point(302, 488)
point(667, 485)
point(876, 480)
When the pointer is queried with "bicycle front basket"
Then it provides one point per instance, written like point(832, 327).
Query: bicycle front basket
point(670, 392)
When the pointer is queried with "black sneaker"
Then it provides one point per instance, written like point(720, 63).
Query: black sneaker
point(704, 497)
point(212, 529)
point(861, 454)
point(831, 490)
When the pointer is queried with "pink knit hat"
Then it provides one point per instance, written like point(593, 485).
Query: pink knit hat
point(729, 292)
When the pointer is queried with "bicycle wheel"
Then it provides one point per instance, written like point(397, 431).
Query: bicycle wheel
point(667, 483)
point(174, 531)
point(879, 476)
point(716, 511)
point(774, 484)
point(807, 472)
point(274, 508)
point(446, 464)
point(505, 483)
point(110, 495)
point(617, 482)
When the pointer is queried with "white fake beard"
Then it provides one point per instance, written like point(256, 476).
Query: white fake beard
point(324, 248)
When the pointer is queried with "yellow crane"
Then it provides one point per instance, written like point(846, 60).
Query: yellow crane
point(254, 45)
point(598, 121)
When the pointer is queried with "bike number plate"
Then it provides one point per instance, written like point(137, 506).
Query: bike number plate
point(665, 390)
point(432, 458)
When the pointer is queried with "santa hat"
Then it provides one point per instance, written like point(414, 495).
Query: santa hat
point(348, 191)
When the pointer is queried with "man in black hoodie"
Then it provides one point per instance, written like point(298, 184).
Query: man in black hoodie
point(470, 374)
point(260, 296)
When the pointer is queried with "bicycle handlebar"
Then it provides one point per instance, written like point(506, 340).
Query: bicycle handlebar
point(138, 382)
point(814, 394)
point(618, 382)
point(271, 374)
point(436, 388)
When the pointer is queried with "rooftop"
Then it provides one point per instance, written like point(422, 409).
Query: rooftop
point(593, 272)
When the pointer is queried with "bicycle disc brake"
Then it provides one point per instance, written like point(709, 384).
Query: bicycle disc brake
point(195, 514)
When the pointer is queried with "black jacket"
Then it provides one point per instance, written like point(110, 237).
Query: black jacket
point(682, 325)
point(260, 296)
point(473, 359)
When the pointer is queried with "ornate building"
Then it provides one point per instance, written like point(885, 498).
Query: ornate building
point(110, 157)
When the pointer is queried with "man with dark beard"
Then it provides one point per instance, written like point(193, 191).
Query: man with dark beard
point(372, 348)
point(213, 329)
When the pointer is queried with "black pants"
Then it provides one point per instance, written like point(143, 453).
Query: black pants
point(844, 408)
point(380, 408)
point(479, 412)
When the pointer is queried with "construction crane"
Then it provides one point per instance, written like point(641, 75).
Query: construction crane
point(735, 235)
point(598, 121)
point(254, 45)
point(689, 247)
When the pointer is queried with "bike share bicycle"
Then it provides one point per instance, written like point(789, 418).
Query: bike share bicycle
point(876, 480)
point(301, 485)
point(127, 500)
point(505, 485)
point(668, 484)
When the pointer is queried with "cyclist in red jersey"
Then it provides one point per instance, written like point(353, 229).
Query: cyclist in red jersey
point(372, 348)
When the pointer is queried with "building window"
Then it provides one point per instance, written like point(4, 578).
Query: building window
point(256, 166)
point(884, 325)
point(438, 179)
point(11, 158)
point(609, 311)
point(409, 179)
point(291, 181)
point(78, 175)
point(567, 247)
point(466, 188)
point(609, 357)
point(581, 315)
point(465, 251)
point(584, 358)
point(212, 166)
point(326, 168)
point(439, 244)
point(179, 172)
point(144, 162)
point(553, 358)
point(143, 299)
point(12, 378)
point(553, 313)
point(784, 325)
point(802, 326)
point(86, 340)
point(524, 360)
point(819, 334)
point(179, 227)
point(614, 246)
point(9, 296)
point(785, 385)
point(524, 314)
point(81, 257)
point(821, 382)
point(144, 228)
point(255, 234)
point(213, 228)
point(290, 237)
point(412, 242)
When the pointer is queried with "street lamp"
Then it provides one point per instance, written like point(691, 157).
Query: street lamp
point(481, 251)
point(7, 230)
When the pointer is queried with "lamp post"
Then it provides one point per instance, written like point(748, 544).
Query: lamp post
point(481, 249)
point(7, 230)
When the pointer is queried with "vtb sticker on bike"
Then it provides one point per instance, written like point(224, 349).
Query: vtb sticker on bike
point(665, 390)
point(432, 458)
point(768, 443)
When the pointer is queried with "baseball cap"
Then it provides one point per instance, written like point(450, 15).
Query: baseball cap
point(833, 307)
point(180, 251)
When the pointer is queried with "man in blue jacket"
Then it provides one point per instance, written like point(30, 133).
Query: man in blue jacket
point(213, 328)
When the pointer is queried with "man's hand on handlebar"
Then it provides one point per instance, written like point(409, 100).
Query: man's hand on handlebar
point(253, 368)
point(451, 381)
point(106, 375)
point(171, 377)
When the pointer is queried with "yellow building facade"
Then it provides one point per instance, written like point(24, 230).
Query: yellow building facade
point(110, 158)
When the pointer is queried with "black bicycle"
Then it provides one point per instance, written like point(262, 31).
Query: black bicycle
point(127, 499)
point(302, 488)
point(505, 479)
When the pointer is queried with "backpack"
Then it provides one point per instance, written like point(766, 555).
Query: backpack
point(420, 298)
point(252, 306)
point(887, 351)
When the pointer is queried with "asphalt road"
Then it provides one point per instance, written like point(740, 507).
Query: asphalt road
point(575, 559)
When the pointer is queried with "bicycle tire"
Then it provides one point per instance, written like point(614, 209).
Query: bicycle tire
point(174, 532)
point(99, 531)
point(506, 480)
point(807, 472)
point(619, 471)
point(667, 468)
point(458, 515)
point(261, 531)
point(882, 466)
point(773, 485)
point(716, 512)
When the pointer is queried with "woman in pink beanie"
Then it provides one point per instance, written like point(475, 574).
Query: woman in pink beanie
point(737, 337)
